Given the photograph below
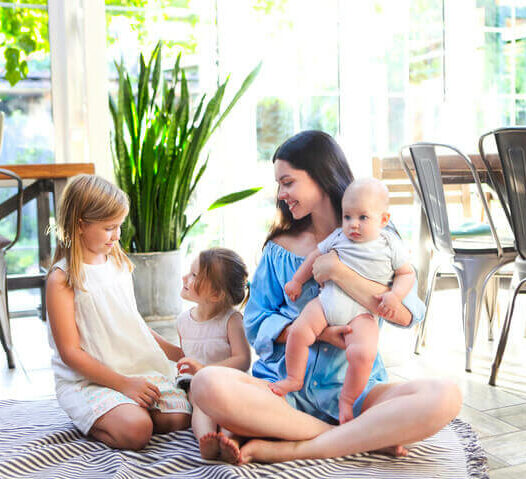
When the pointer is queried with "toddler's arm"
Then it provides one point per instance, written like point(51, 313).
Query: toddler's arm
point(301, 276)
point(61, 311)
point(173, 352)
point(403, 281)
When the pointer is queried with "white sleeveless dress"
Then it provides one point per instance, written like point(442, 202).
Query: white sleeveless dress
point(113, 332)
point(205, 341)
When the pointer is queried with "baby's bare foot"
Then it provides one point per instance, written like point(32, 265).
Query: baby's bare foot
point(346, 412)
point(229, 449)
point(395, 451)
point(209, 446)
point(285, 386)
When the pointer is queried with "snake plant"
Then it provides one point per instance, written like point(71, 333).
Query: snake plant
point(157, 143)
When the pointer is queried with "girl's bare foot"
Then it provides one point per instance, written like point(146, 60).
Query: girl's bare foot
point(229, 449)
point(395, 451)
point(260, 450)
point(209, 445)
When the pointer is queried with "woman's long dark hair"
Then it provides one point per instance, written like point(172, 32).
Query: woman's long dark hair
point(321, 157)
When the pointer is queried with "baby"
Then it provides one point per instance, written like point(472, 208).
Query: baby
point(364, 245)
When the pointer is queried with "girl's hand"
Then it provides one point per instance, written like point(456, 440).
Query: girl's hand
point(187, 365)
point(325, 266)
point(144, 393)
point(335, 335)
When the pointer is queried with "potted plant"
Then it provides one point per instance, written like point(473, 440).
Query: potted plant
point(157, 142)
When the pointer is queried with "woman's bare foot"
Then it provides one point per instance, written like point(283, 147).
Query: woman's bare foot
point(229, 449)
point(209, 445)
point(395, 451)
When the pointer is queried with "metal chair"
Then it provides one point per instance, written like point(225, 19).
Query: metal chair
point(474, 259)
point(510, 187)
point(5, 244)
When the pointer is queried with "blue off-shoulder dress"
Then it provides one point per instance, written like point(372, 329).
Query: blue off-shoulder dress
point(269, 310)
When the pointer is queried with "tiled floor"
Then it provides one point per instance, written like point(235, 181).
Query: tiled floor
point(498, 414)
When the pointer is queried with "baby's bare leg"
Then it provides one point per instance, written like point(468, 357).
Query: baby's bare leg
point(361, 348)
point(302, 333)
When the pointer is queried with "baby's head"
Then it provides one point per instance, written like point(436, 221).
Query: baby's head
point(364, 209)
point(217, 275)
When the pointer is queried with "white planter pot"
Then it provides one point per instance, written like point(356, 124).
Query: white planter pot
point(157, 280)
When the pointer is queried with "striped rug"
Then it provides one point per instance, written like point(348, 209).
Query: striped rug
point(37, 440)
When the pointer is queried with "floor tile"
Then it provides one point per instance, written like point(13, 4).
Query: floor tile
point(494, 463)
point(510, 448)
point(513, 472)
point(484, 424)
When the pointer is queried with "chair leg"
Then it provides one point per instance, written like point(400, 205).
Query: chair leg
point(422, 327)
point(5, 334)
point(504, 335)
point(472, 275)
point(490, 303)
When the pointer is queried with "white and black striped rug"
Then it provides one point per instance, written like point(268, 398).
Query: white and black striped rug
point(37, 440)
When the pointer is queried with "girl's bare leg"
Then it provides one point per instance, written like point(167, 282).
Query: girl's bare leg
point(247, 407)
point(205, 431)
point(393, 414)
point(361, 349)
point(302, 333)
point(124, 427)
point(164, 422)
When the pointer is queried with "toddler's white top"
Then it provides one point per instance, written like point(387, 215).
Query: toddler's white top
point(375, 260)
point(205, 341)
point(110, 326)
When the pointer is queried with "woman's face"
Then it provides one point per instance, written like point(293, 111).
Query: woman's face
point(297, 189)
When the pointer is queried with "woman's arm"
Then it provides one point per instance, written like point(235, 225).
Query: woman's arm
point(262, 319)
point(61, 311)
point(173, 352)
point(364, 291)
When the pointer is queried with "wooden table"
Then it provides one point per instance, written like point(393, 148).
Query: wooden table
point(41, 179)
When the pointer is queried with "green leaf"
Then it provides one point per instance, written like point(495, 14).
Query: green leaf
point(233, 198)
point(12, 76)
point(27, 43)
point(12, 55)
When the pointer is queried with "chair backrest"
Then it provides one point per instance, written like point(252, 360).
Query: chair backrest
point(511, 185)
point(430, 189)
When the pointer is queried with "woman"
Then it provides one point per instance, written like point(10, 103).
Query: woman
point(312, 174)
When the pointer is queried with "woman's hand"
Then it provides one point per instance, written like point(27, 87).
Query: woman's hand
point(144, 393)
point(325, 267)
point(187, 365)
point(335, 335)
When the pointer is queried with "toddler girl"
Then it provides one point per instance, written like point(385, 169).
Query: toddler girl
point(112, 373)
point(374, 253)
point(212, 333)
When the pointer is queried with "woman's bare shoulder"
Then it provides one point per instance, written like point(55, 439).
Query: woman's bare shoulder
point(300, 244)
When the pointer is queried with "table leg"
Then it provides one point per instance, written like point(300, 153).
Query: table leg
point(44, 240)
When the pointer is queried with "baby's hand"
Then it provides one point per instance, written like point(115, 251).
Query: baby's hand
point(293, 289)
point(389, 303)
point(145, 394)
point(187, 365)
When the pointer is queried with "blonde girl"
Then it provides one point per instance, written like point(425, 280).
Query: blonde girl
point(112, 373)
point(212, 334)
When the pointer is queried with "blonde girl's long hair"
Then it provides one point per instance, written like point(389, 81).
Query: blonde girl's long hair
point(89, 198)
